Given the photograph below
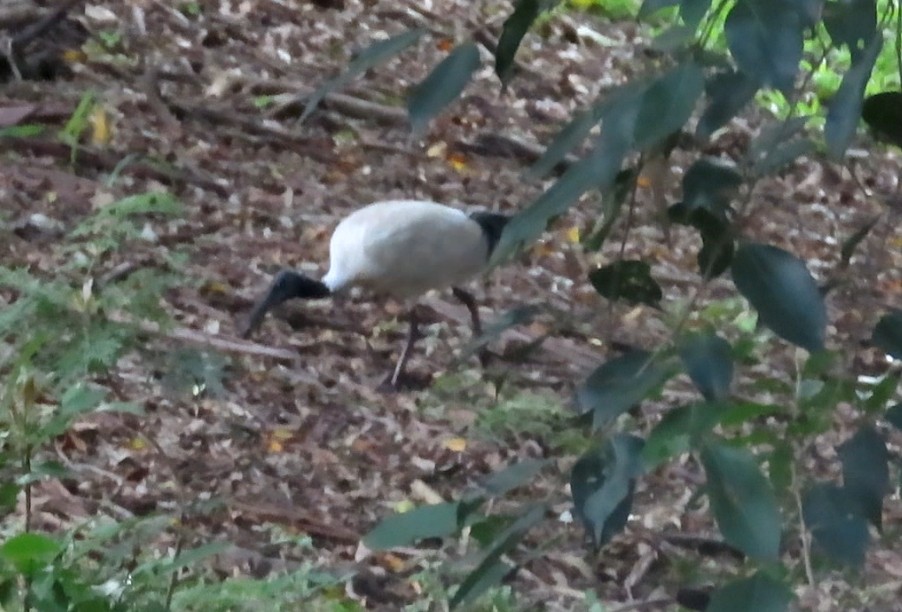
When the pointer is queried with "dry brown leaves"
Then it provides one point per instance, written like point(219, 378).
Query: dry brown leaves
point(300, 440)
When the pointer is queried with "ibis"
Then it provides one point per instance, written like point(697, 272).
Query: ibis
point(400, 249)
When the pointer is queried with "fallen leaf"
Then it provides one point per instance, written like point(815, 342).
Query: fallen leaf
point(458, 445)
point(458, 161)
point(100, 126)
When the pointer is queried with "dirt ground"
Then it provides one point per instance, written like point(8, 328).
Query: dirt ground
point(299, 441)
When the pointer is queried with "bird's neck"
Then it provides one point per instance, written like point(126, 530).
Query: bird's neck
point(492, 224)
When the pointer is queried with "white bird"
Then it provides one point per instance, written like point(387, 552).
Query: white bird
point(402, 249)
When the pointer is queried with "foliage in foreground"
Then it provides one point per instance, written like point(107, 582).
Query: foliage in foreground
point(784, 524)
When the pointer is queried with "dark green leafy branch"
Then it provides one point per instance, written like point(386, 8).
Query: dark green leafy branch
point(750, 470)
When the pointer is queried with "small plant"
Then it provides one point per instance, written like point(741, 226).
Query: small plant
point(191, 9)
point(78, 124)
point(62, 335)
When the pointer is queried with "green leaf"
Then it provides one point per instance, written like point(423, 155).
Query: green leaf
point(670, 437)
point(883, 114)
point(709, 363)
point(881, 393)
point(758, 593)
point(79, 121)
point(377, 53)
point(598, 170)
point(742, 501)
point(781, 156)
point(9, 493)
point(77, 400)
point(650, 7)
point(512, 32)
point(620, 383)
point(667, 104)
point(152, 202)
point(81, 398)
point(716, 232)
point(838, 530)
point(567, 139)
point(29, 552)
point(488, 573)
point(45, 592)
point(9, 590)
point(728, 93)
point(435, 521)
point(888, 334)
point(779, 287)
point(513, 476)
point(852, 23)
point(692, 11)
point(777, 145)
point(780, 467)
point(711, 184)
point(734, 414)
point(681, 429)
point(894, 416)
point(28, 130)
point(442, 86)
point(675, 39)
point(765, 38)
point(846, 106)
point(618, 111)
point(486, 529)
point(865, 473)
point(602, 482)
point(810, 11)
point(627, 280)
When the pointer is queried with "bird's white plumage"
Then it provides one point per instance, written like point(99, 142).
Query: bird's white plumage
point(404, 248)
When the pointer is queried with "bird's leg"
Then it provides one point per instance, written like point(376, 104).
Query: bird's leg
point(413, 334)
point(467, 299)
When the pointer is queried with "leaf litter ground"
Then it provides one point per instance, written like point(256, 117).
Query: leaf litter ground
point(297, 441)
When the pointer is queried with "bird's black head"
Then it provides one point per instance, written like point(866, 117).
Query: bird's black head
point(286, 285)
point(492, 225)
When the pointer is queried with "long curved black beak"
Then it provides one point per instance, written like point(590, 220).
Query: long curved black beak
point(267, 302)
point(285, 286)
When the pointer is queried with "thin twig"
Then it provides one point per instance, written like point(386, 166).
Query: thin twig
point(174, 576)
point(107, 162)
point(804, 534)
point(154, 99)
point(298, 143)
point(12, 58)
point(298, 517)
point(500, 145)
